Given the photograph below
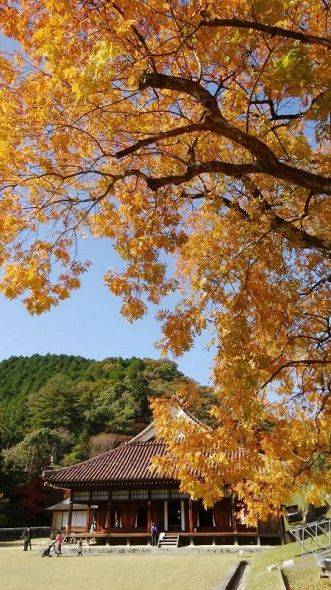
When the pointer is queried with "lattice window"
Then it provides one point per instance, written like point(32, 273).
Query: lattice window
point(139, 494)
point(178, 494)
point(81, 496)
point(160, 494)
point(120, 495)
point(100, 495)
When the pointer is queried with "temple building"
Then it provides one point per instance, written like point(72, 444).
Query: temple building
point(114, 498)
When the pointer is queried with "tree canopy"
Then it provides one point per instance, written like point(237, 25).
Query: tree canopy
point(192, 134)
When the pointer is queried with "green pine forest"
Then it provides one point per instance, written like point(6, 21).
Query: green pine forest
point(58, 410)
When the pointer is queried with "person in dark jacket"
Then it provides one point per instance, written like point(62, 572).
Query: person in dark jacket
point(26, 536)
point(154, 534)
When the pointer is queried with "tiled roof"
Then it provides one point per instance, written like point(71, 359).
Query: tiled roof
point(128, 462)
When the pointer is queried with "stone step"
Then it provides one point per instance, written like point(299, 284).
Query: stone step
point(168, 540)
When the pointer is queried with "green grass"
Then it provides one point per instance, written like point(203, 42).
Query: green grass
point(306, 575)
point(303, 576)
point(28, 571)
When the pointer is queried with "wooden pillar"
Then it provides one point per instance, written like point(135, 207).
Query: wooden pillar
point(88, 516)
point(107, 524)
point(233, 514)
point(234, 523)
point(282, 528)
point(182, 515)
point(149, 515)
point(190, 515)
point(70, 512)
point(165, 514)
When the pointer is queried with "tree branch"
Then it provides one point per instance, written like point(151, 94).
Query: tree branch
point(286, 116)
point(139, 36)
point(293, 233)
point(236, 170)
point(214, 121)
point(159, 137)
point(303, 362)
point(263, 28)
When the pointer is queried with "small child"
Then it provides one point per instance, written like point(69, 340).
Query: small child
point(58, 544)
point(80, 547)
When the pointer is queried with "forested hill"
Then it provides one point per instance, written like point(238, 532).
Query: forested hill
point(58, 409)
point(78, 394)
point(23, 374)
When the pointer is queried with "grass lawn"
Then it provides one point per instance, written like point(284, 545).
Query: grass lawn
point(304, 576)
point(28, 571)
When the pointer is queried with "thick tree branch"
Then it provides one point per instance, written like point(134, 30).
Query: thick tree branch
point(214, 121)
point(236, 170)
point(234, 205)
point(263, 28)
point(159, 137)
point(194, 89)
point(299, 236)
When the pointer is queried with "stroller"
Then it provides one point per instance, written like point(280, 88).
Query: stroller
point(47, 550)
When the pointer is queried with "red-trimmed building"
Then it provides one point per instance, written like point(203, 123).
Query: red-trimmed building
point(122, 495)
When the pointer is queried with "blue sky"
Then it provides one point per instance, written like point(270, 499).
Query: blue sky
point(90, 323)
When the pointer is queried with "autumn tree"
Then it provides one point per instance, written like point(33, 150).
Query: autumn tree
point(192, 134)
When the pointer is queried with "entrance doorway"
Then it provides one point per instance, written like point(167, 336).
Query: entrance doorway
point(174, 515)
point(158, 514)
point(141, 518)
point(206, 518)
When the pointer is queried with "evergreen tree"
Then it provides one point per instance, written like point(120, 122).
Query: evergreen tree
point(55, 405)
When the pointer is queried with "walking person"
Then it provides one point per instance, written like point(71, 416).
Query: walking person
point(80, 548)
point(58, 544)
point(154, 534)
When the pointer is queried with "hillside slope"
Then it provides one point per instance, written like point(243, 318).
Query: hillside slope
point(96, 385)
